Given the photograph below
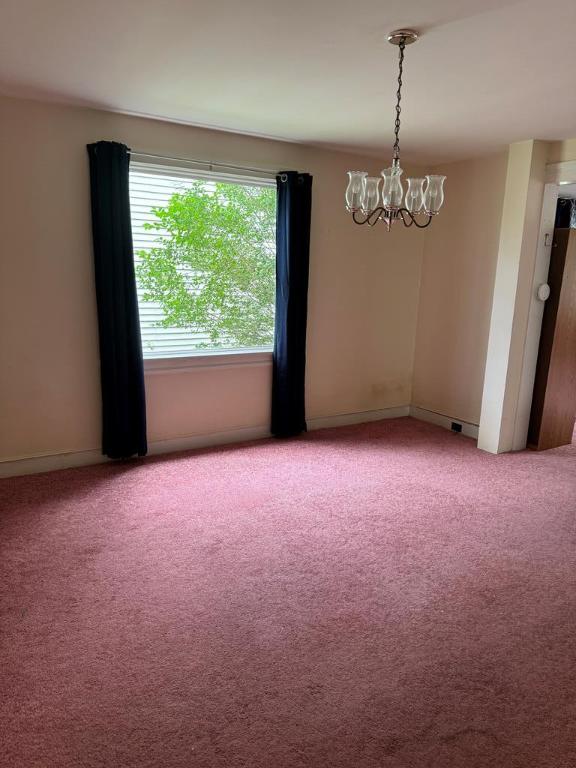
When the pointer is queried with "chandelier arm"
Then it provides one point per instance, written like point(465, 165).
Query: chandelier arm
point(423, 226)
point(376, 215)
point(412, 220)
point(357, 221)
point(381, 214)
point(370, 218)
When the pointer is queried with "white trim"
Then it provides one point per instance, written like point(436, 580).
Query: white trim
point(30, 465)
point(49, 462)
point(535, 314)
point(441, 420)
point(217, 359)
point(556, 175)
point(561, 173)
point(207, 440)
point(512, 294)
point(359, 417)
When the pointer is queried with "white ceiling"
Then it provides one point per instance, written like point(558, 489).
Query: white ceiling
point(485, 73)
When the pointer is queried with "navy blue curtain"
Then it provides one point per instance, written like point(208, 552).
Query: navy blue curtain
point(121, 365)
point(294, 206)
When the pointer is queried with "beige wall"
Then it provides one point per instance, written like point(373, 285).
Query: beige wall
point(458, 270)
point(386, 327)
point(561, 151)
point(362, 302)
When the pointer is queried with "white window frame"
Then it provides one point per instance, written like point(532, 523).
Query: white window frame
point(255, 356)
point(217, 359)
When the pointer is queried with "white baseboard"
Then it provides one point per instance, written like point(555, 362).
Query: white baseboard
point(47, 463)
point(470, 430)
point(192, 442)
point(30, 465)
point(342, 419)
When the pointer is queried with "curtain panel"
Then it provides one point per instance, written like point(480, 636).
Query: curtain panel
point(292, 259)
point(121, 364)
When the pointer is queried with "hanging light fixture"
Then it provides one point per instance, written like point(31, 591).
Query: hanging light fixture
point(423, 198)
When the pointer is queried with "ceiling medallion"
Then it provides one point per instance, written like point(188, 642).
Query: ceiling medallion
point(422, 199)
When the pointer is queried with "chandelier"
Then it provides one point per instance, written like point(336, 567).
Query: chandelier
point(424, 196)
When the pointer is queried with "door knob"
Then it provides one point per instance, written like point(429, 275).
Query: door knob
point(543, 291)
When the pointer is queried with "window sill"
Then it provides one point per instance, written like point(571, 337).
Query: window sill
point(207, 360)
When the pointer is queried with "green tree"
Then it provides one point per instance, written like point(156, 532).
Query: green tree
point(213, 266)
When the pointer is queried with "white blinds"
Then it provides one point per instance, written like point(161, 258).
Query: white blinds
point(152, 186)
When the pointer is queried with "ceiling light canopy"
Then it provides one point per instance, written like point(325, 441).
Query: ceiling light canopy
point(422, 198)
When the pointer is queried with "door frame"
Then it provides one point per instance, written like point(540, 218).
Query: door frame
point(557, 174)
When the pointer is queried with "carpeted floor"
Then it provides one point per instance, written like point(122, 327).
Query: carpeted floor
point(381, 596)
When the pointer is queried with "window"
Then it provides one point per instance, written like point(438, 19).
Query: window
point(204, 252)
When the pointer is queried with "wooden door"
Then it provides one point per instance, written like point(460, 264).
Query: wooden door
point(554, 402)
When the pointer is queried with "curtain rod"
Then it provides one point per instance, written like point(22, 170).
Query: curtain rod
point(208, 163)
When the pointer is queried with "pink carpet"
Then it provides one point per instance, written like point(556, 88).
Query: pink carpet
point(382, 596)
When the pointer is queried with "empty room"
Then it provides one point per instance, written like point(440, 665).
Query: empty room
point(287, 384)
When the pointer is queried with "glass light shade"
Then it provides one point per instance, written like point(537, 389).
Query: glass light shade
point(355, 190)
point(392, 189)
point(371, 193)
point(414, 195)
point(434, 194)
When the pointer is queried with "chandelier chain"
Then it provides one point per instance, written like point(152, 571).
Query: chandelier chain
point(396, 147)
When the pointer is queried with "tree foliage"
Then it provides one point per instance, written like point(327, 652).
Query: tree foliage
point(213, 265)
